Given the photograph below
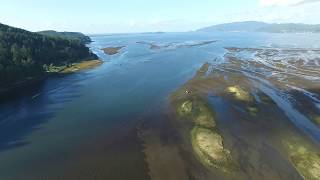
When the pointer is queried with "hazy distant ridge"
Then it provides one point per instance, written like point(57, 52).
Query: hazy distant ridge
point(254, 26)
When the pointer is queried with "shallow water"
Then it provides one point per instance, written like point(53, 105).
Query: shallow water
point(84, 125)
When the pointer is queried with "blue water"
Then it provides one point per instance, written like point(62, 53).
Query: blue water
point(59, 128)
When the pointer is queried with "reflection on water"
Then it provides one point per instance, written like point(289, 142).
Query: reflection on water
point(113, 123)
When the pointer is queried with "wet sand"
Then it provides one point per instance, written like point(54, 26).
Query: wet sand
point(112, 50)
point(170, 46)
point(250, 113)
point(252, 127)
point(83, 65)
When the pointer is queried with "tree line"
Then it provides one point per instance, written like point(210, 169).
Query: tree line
point(68, 35)
point(24, 54)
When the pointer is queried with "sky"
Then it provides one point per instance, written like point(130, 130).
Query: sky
point(124, 16)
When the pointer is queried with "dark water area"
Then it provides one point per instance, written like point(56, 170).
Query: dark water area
point(85, 125)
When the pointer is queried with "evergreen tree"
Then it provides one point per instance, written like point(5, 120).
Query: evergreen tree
point(24, 54)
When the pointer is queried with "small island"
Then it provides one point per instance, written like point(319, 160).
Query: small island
point(112, 50)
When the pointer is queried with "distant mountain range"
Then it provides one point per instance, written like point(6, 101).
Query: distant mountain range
point(67, 35)
point(254, 26)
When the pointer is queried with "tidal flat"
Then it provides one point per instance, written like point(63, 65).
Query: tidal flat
point(205, 106)
point(112, 50)
point(74, 67)
point(83, 65)
point(236, 125)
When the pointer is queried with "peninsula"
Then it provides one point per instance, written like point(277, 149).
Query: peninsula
point(28, 56)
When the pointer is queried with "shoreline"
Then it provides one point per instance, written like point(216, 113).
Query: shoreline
point(80, 66)
point(74, 68)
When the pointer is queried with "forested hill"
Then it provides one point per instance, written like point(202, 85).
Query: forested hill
point(68, 35)
point(24, 54)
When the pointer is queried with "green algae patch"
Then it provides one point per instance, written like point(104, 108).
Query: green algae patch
point(199, 118)
point(203, 115)
point(266, 99)
point(198, 112)
point(203, 70)
point(208, 146)
point(207, 143)
point(307, 164)
point(239, 93)
point(253, 111)
point(316, 119)
point(304, 158)
point(185, 108)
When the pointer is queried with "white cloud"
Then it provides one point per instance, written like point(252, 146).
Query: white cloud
point(280, 13)
point(307, 2)
point(265, 3)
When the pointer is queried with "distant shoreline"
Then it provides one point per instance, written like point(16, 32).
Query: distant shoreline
point(256, 26)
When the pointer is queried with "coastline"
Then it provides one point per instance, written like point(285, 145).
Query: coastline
point(82, 65)
point(28, 82)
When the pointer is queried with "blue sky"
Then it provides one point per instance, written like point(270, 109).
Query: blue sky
point(120, 16)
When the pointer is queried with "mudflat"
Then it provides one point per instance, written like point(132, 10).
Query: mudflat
point(235, 124)
point(83, 65)
point(112, 50)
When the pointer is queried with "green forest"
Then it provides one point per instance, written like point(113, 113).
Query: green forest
point(25, 55)
point(68, 35)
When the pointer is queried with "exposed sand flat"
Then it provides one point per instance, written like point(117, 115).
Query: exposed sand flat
point(304, 157)
point(252, 113)
point(239, 93)
point(175, 45)
point(207, 143)
point(112, 50)
point(81, 66)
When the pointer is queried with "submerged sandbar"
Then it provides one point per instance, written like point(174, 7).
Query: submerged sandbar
point(112, 50)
